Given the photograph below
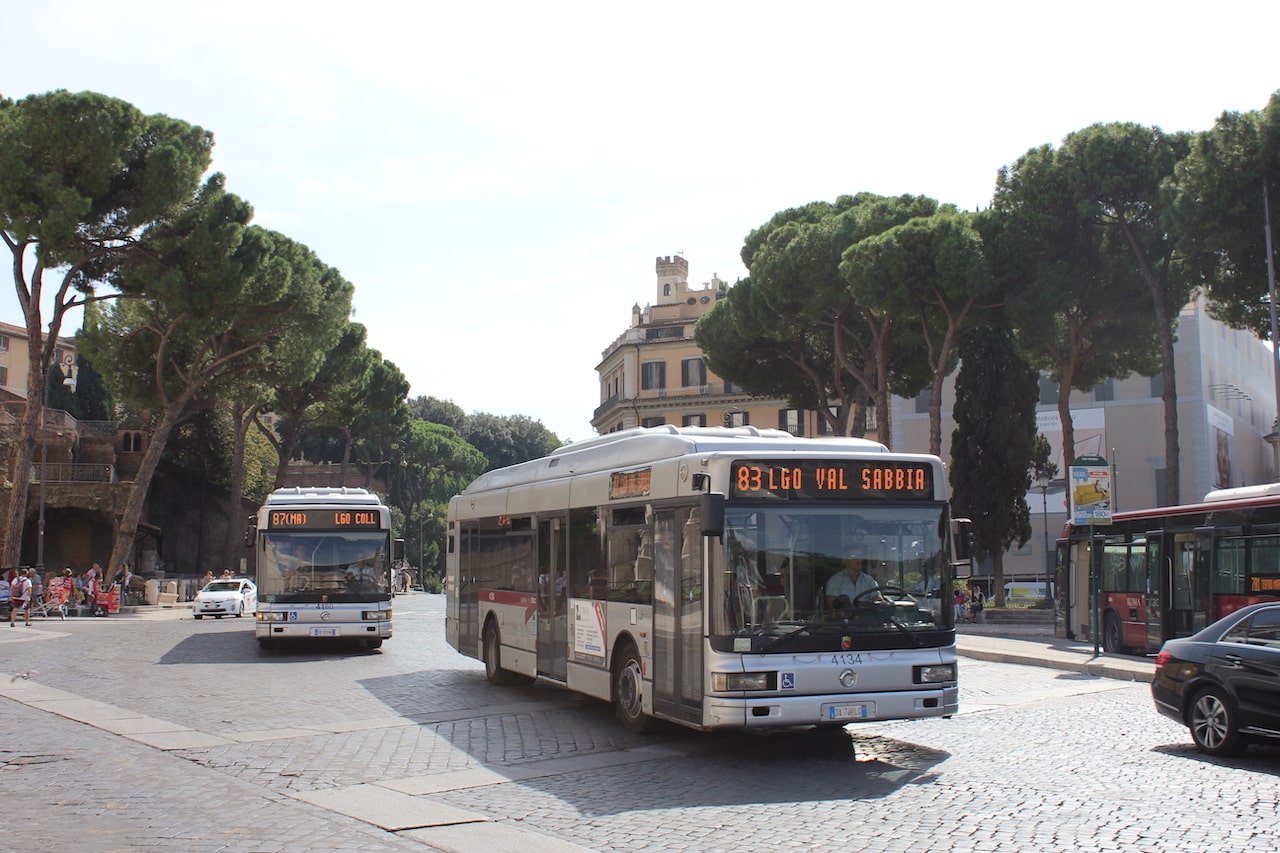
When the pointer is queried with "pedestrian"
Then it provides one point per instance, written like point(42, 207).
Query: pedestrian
point(92, 584)
point(958, 600)
point(226, 573)
point(976, 605)
point(20, 597)
point(207, 579)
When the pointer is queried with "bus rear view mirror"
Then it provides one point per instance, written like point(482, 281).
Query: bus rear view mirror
point(962, 538)
point(712, 511)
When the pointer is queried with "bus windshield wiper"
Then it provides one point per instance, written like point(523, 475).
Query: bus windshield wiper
point(771, 642)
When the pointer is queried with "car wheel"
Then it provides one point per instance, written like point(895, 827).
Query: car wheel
point(1112, 636)
point(628, 692)
point(1213, 724)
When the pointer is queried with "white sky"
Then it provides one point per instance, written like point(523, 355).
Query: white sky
point(497, 178)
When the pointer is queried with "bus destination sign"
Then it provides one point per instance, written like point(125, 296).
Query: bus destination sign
point(324, 519)
point(830, 479)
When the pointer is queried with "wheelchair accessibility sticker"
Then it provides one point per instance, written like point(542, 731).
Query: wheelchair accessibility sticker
point(788, 680)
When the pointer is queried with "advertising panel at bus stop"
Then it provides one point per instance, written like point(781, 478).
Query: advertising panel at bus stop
point(1089, 486)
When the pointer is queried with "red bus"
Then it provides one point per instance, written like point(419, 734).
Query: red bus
point(1167, 572)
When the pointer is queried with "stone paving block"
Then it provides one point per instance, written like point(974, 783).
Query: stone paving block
point(388, 809)
point(491, 838)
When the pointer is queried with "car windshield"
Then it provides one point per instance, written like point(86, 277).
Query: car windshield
point(792, 572)
point(222, 586)
point(324, 568)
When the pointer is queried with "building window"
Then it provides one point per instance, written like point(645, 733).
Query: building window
point(4, 343)
point(1104, 392)
point(694, 420)
point(132, 442)
point(823, 427)
point(4, 375)
point(922, 403)
point(1157, 388)
point(693, 371)
point(791, 420)
point(1048, 391)
point(653, 375)
point(666, 290)
point(664, 332)
point(653, 422)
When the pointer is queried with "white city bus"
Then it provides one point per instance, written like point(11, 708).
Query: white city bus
point(680, 574)
point(323, 559)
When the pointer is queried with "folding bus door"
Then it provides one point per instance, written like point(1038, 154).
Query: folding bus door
point(553, 597)
point(467, 591)
point(677, 614)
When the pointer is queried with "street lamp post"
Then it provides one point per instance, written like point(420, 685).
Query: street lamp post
point(1043, 480)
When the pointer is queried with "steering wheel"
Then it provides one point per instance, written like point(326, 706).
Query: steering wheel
point(879, 593)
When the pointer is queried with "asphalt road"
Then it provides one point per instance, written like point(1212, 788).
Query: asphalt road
point(164, 733)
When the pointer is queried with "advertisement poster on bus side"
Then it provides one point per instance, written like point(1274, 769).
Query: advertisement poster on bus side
point(588, 631)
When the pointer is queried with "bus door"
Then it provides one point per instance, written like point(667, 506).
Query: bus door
point(553, 597)
point(466, 593)
point(677, 614)
point(1183, 596)
point(1156, 577)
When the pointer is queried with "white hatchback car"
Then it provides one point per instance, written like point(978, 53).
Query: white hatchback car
point(225, 597)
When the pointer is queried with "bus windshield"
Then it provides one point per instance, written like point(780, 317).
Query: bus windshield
point(789, 567)
point(324, 568)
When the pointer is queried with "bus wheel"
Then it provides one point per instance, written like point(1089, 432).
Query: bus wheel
point(628, 692)
point(1212, 722)
point(373, 643)
point(493, 670)
point(1112, 637)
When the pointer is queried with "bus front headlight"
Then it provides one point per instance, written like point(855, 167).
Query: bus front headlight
point(732, 681)
point(272, 616)
point(376, 615)
point(937, 673)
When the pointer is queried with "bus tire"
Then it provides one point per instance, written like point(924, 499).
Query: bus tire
point(628, 691)
point(373, 643)
point(1211, 719)
point(1113, 636)
point(493, 671)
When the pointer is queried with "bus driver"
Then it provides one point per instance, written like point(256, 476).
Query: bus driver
point(844, 587)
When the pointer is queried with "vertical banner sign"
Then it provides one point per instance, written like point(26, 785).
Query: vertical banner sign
point(1089, 486)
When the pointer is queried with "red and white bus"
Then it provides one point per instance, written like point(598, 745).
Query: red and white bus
point(679, 573)
point(1170, 571)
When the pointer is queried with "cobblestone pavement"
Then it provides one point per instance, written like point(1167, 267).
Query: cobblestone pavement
point(164, 733)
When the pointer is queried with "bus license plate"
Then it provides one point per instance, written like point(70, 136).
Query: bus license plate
point(324, 632)
point(851, 711)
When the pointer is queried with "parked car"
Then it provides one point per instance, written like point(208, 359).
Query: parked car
point(1223, 682)
point(225, 597)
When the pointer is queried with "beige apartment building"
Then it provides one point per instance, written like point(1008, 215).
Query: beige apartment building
point(654, 374)
point(14, 367)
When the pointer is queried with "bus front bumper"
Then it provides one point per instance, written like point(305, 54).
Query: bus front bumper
point(782, 711)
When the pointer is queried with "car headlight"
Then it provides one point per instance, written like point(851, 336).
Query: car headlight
point(726, 681)
point(936, 673)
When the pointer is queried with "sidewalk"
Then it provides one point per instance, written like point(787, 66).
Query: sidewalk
point(1034, 646)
